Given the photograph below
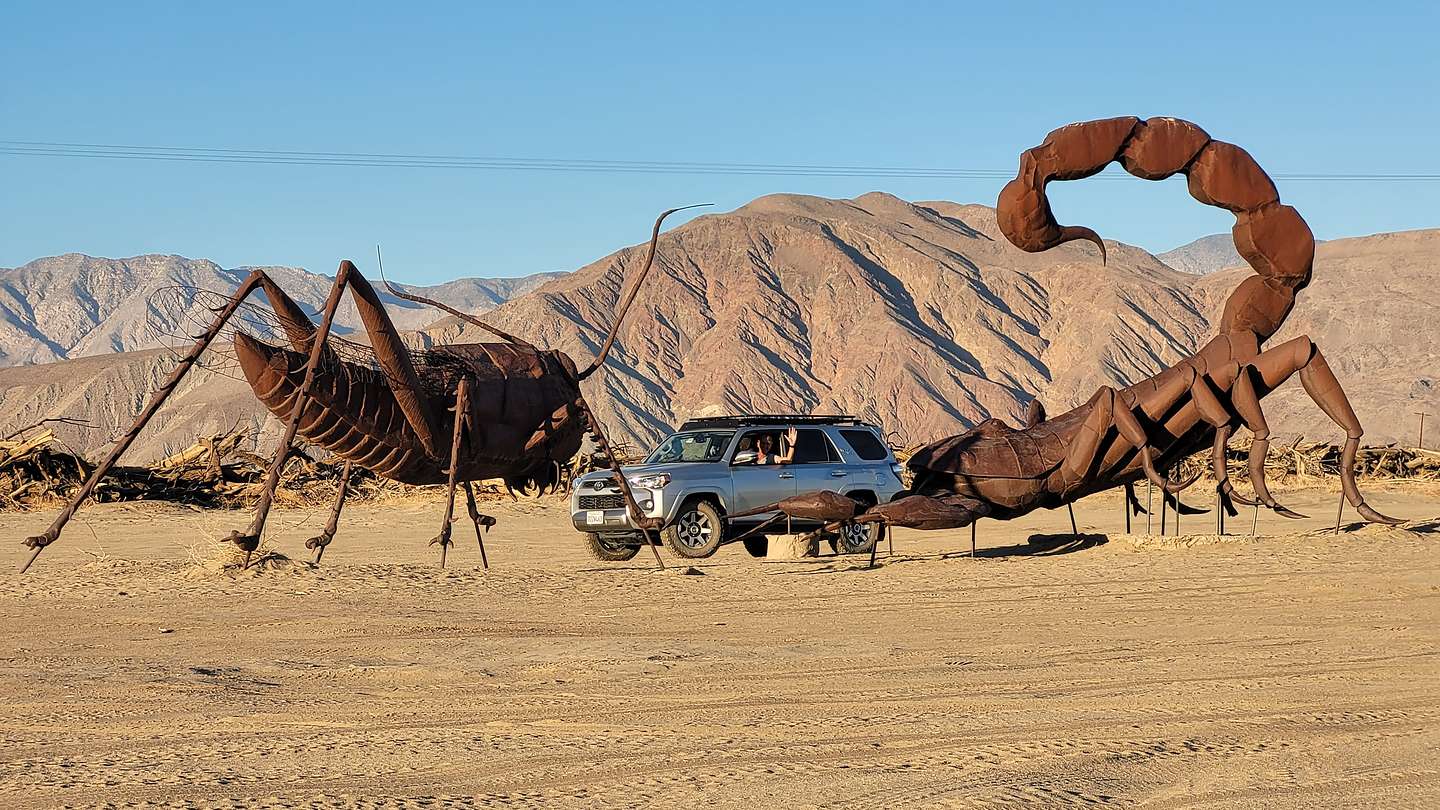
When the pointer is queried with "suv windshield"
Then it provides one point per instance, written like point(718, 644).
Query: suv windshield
point(700, 445)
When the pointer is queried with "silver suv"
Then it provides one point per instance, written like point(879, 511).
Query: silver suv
point(706, 470)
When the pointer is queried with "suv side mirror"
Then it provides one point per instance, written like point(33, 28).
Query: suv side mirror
point(745, 457)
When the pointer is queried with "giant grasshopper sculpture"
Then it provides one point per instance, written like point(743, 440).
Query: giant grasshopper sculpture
point(448, 415)
point(1120, 436)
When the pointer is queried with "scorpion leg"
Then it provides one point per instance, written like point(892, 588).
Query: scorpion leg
point(1082, 451)
point(1247, 403)
point(1213, 411)
point(1131, 430)
point(222, 316)
point(480, 521)
point(1319, 381)
point(462, 403)
point(321, 540)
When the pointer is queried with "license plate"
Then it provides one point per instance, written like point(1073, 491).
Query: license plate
point(596, 518)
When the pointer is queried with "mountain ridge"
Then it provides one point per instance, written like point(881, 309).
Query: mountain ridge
point(74, 305)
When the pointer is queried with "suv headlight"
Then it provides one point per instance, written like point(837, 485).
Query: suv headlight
point(653, 481)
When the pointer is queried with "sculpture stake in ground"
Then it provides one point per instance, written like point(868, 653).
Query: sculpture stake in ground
point(511, 410)
point(1119, 437)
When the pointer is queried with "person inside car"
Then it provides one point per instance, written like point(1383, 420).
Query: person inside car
point(747, 445)
point(765, 447)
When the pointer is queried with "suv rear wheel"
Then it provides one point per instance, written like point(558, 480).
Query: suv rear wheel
point(855, 538)
point(696, 532)
point(610, 549)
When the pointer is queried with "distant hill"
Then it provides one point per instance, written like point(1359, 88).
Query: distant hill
point(75, 305)
point(1205, 255)
point(918, 315)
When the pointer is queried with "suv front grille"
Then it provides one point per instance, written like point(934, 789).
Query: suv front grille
point(602, 502)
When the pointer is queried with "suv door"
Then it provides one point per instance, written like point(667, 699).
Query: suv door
point(817, 463)
point(759, 484)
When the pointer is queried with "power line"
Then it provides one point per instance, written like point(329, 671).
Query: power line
point(412, 161)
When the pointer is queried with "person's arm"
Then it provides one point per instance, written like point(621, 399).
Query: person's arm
point(788, 454)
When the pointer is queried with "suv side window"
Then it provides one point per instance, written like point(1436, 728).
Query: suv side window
point(749, 440)
point(865, 445)
point(813, 447)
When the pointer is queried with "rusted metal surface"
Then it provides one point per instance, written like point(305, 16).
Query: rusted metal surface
point(512, 411)
point(1122, 436)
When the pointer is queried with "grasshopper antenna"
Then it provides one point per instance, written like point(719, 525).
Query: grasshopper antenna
point(396, 291)
point(634, 289)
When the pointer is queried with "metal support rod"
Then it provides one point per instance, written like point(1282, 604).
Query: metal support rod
point(759, 527)
point(1339, 512)
point(972, 538)
point(1074, 531)
point(1149, 506)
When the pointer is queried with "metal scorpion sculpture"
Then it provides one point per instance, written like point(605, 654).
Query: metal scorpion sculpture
point(510, 410)
point(1120, 436)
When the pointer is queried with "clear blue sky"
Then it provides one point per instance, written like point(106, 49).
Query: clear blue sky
point(1306, 87)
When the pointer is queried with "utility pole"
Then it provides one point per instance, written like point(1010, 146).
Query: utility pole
point(1420, 444)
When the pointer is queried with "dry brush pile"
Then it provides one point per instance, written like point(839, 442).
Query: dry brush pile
point(37, 471)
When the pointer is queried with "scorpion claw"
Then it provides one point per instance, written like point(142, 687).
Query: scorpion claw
point(1375, 517)
point(1229, 490)
point(1173, 487)
point(1284, 511)
point(1183, 508)
point(1227, 504)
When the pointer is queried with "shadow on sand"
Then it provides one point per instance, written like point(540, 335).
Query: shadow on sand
point(1037, 545)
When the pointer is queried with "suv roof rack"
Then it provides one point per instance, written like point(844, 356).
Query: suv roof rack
point(770, 419)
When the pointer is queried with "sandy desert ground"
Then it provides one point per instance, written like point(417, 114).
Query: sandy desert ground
point(1294, 670)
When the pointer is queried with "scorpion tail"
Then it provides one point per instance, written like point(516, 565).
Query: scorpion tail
point(1272, 237)
point(634, 289)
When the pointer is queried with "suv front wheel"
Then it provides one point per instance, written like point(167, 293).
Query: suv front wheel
point(610, 549)
point(696, 532)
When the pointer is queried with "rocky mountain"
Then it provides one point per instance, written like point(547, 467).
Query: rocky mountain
point(1205, 255)
point(920, 316)
point(74, 305)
